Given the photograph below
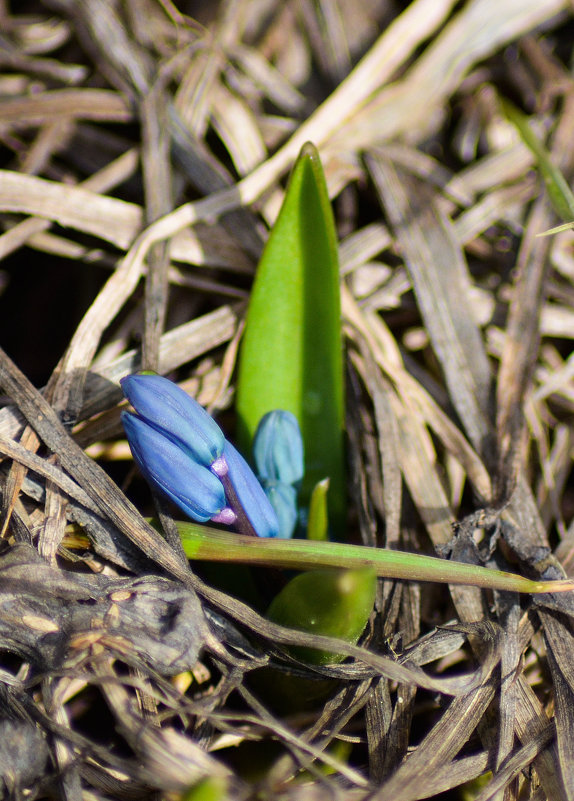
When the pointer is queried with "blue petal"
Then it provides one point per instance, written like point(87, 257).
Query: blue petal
point(176, 414)
point(278, 448)
point(250, 494)
point(194, 488)
point(283, 498)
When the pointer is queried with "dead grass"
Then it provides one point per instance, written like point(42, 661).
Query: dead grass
point(144, 153)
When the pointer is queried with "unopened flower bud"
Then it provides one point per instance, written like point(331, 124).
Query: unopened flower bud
point(169, 409)
point(278, 448)
point(170, 469)
point(283, 499)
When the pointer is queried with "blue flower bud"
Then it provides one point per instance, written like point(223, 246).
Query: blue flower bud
point(174, 413)
point(278, 448)
point(250, 494)
point(168, 467)
point(283, 499)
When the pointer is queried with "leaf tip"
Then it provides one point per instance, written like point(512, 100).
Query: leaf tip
point(309, 150)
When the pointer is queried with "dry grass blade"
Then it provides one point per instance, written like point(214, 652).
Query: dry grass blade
point(96, 483)
point(112, 175)
point(480, 28)
point(40, 466)
point(388, 436)
point(110, 219)
point(438, 748)
point(558, 634)
point(440, 278)
point(376, 665)
point(531, 722)
point(519, 762)
point(95, 104)
point(521, 341)
point(391, 51)
point(158, 196)
point(418, 465)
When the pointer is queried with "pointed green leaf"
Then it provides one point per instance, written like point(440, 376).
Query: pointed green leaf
point(318, 521)
point(212, 545)
point(291, 355)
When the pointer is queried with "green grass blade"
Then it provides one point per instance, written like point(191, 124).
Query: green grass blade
point(291, 355)
point(208, 544)
point(557, 229)
point(559, 192)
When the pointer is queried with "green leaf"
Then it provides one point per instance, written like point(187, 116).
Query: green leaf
point(318, 522)
point(557, 229)
point(213, 545)
point(212, 788)
point(291, 355)
point(559, 192)
point(335, 603)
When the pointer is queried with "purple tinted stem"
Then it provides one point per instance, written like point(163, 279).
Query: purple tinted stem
point(242, 522)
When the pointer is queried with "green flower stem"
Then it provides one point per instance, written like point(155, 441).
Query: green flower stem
point(212, 545)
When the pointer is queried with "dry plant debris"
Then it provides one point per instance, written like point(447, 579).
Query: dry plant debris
point(144, 149)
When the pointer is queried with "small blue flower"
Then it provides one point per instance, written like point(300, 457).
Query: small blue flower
point(176, 415)
point(278, 448)
point(250, 494)
point(182, 452)
point(168, 467)
point(283, 499)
